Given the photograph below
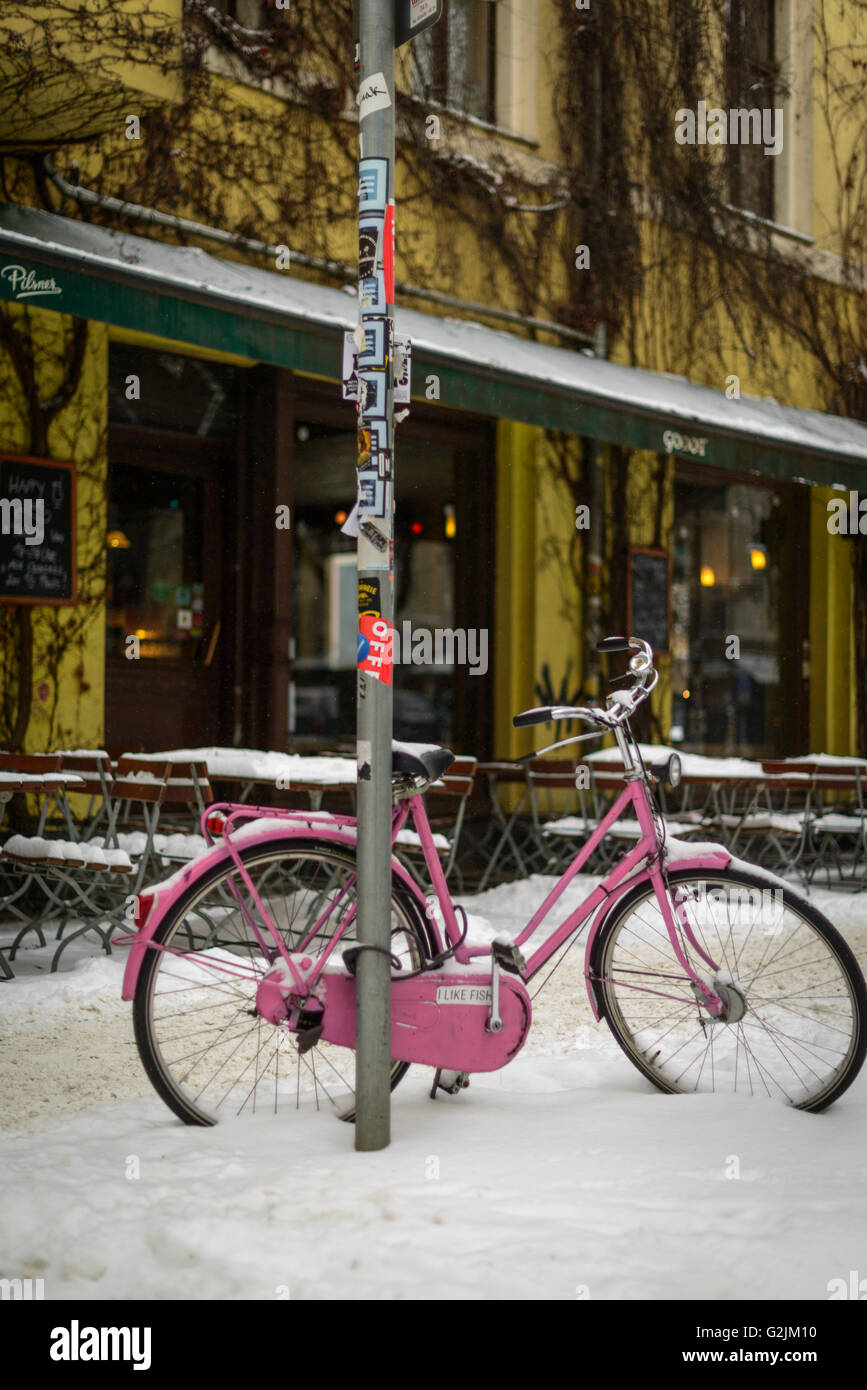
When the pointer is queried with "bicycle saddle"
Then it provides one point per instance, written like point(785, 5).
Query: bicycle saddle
point(420, 760)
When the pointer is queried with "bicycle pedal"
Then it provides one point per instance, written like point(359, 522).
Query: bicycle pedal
point(508, 957)
point(449, 1081)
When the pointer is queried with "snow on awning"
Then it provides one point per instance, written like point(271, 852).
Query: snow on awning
point(190, 296)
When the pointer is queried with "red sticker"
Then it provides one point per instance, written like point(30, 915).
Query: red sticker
point(376, 660)
point(388, 253)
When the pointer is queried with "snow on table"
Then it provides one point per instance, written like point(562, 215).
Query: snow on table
point(254, 765)
point(692, 764)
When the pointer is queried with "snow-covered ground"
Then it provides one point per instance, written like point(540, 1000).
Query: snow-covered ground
point(565, 1176)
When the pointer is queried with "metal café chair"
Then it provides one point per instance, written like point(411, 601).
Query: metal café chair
point(506, 830)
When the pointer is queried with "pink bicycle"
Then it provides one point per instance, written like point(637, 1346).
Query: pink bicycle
point(712, 974)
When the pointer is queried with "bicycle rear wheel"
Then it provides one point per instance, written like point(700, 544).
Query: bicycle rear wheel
point(207, 1051)
point(796, 1002)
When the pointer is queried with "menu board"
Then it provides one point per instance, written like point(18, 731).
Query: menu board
point(37, 530)
point(648, 598)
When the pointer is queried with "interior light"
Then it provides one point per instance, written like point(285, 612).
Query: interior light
point(116, 540)
point(685, 694)
point(758, 557)
point(416, 528)
point(451, 526)
point(707, 578)
point(339, 518)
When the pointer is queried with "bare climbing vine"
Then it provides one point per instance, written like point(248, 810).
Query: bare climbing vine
point(260, 138)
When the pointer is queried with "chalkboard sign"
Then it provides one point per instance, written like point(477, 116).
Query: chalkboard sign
point(648, 599)
point(37, 530)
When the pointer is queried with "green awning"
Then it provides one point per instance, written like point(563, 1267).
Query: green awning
point(190, 296)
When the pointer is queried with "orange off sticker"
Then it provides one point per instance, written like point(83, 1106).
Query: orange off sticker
point(375, 647)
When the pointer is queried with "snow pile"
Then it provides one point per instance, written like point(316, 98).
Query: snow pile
point(564, 1176)
point(66, 852)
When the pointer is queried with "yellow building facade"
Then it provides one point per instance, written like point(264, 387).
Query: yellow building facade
point(194, 381)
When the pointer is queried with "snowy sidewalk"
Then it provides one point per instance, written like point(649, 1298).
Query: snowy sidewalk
point(565, 1176)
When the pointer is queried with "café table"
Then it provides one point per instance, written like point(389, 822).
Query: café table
point(247, 768)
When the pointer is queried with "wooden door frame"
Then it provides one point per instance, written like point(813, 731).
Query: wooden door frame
point(187, 456)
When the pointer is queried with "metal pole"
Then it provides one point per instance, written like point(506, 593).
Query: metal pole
point(376, 23)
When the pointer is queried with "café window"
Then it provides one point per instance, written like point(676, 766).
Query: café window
point(737, 619)
point(155, 546)
point(322, 703)
point(164, 390)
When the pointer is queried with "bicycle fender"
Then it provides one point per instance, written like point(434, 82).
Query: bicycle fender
point(708, 858)
point(155, 902)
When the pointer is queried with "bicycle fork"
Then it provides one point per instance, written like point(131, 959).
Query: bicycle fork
point(675, 914)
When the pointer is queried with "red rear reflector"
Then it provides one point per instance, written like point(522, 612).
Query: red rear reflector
point(215, 823)
point(143, 906)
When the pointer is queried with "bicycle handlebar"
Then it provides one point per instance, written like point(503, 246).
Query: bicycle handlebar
point(619, 704)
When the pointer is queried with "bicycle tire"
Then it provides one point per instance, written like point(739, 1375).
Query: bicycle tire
point(222, 1003)
point(774, 1047)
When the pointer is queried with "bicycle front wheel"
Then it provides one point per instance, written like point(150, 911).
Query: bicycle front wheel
point(207, 1051)
point(794, 1023)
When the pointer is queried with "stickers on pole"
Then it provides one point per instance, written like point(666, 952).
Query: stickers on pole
point(372, 95)
point(372, 545)
point(374, 495)
point(374, 633)
point(372, 394)
point(402, 367)
point(371, 293)
point(372, 185)
point(370, 229)
point(375, 350)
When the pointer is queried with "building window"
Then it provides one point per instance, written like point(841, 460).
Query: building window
point(737, 623)
point(444, 574)
point(751, 84)
point(455, 60)
point(326, 588)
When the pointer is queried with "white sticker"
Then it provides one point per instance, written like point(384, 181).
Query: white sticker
point(372, 95)
point(464, 994)
point(350, 525)
point(370, 554)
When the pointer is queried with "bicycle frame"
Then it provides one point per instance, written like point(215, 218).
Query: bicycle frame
point(302, 975)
